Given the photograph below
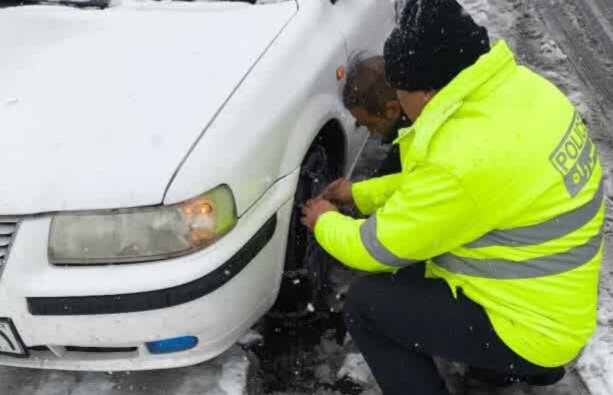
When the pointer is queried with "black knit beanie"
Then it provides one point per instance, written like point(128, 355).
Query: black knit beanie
point(434, 41)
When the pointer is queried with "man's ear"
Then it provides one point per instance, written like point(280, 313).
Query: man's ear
point(393, 109)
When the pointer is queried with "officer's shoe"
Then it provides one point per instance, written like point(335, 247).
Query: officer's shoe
point(491, 377)
point(499, 379)
point(550, 377)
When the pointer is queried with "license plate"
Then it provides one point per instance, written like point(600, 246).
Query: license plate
point(10, 342)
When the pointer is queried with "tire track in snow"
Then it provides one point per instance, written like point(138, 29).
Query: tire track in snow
point(600, 23)
point(587, 53)
point(604, 8)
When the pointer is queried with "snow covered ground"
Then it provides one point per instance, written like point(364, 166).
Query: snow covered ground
point(223, 376)
point(567, 41)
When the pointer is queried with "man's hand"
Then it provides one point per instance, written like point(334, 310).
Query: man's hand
point(339, 192)
point(313, 209)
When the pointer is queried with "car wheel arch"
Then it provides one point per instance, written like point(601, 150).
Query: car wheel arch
point(333, 138)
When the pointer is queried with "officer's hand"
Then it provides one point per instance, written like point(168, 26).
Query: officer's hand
point(313, 209)
point(339, 192)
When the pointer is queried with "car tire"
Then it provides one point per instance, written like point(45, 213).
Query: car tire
point(304, 286)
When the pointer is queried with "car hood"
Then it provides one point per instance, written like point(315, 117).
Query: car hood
point(99, 107)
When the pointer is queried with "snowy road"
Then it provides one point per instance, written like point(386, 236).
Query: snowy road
point(568, 41)
point(590, 49)
point(224, 375)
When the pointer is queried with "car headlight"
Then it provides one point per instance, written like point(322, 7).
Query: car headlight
point(142, 234)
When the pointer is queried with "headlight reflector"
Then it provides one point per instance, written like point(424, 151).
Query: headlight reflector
point(143, 234)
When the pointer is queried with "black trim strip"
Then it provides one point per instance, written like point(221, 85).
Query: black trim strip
point(159, 299)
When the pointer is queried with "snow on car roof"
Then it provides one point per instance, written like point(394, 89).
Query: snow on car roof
point(140, 4)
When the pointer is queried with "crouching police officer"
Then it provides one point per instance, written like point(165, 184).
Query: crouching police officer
point(500, 194)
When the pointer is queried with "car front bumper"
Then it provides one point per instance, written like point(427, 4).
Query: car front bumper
point(101, 317)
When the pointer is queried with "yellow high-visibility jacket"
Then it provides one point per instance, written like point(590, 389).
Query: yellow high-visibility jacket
point(501, 193)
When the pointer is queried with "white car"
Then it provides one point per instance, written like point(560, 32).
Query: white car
point(150, 154)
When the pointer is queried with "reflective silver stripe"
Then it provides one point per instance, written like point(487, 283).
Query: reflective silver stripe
point(545, 231)
point(531, 268)
point(368, 234)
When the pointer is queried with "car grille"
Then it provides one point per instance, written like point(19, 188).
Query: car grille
point(8, 228)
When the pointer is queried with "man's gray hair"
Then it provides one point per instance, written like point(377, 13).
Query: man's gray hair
point(365, 84)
